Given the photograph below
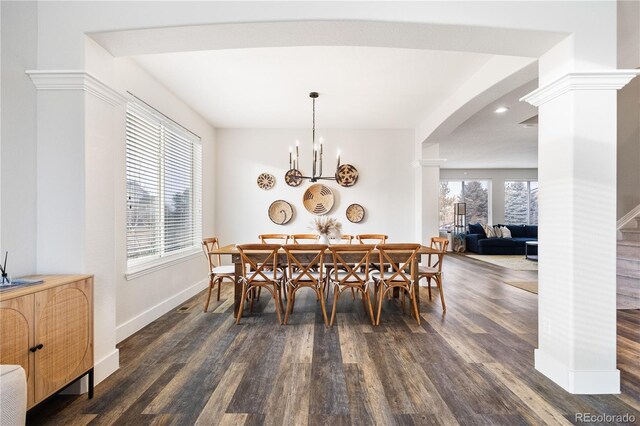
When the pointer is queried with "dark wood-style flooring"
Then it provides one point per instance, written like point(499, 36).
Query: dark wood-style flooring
point(473, 365)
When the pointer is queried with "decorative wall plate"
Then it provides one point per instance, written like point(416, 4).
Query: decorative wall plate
point(280, 212)
point(346, 175)
point(318, 199)
point(266, 181)
point(355, 213)
point(293, 177)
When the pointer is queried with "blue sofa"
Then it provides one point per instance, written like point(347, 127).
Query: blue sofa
point(477, 241)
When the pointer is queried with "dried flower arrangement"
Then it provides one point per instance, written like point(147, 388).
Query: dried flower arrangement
point(327, 226)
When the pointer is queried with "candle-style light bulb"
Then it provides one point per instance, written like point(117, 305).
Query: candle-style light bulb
point(290, 150)
point(321, 142)
point(297, 148)
point(338, 159)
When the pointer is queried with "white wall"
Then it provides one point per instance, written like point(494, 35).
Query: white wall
point(18, 135)
point(384, 188)
point(143, 299)
point(497, 178)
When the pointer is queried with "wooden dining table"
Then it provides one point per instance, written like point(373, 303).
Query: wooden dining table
point(231, 250)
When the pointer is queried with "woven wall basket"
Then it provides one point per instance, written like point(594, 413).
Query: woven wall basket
point(280, 212)
point(318, 199)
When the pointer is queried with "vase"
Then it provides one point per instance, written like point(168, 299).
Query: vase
point(323, 240)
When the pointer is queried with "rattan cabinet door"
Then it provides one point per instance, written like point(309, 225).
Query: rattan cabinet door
point(63, 327)
point(16, 336)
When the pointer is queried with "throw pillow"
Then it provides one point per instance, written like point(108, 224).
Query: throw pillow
point(505, 232)
point(477, 229)
point(489, 231)
point(497, 231)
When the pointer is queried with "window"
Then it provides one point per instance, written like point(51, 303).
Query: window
point(164, 187)
point(521, 202)
point(475, 193)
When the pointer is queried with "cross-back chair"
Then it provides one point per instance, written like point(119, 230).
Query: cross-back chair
point(274, 238)
point(305, 238)
point(281, 239)
point(344, 239)
point(372, 238)
point(259, 270)
point(352, 275)
point(399, 259)
point(433, 268)
point(217, 272)
point(305, 269)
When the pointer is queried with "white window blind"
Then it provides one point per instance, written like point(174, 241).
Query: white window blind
point(164, 187)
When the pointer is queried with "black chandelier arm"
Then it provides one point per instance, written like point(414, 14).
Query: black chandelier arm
point(317, 177)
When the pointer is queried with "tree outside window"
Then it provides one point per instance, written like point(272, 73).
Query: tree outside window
point(521, 202)
point(475, 193)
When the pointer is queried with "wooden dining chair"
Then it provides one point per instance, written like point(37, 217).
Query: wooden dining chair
point(372, 238)
point(305, 238)
point(259, 270)
point(352, 275)
point(433, 268)
point(399, 260)
point(217, 272)
point(305, 269)
point(344, 239)
point(281, 239)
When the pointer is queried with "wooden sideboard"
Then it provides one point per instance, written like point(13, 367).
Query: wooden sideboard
point(47, 328)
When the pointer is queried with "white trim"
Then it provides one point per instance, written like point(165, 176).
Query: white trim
point(106, 366)
point(145, 268)
point(580, 80)
point(429, 162)
point(75, 80)
point(129, 327)
point(628, 217)
point(577, 382)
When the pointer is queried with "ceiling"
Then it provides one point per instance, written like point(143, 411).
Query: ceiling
point(360, 87)
point(491, 140)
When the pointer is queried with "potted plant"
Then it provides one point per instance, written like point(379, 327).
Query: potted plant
point(327, 227)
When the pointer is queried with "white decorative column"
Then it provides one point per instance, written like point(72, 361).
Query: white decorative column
point(427, 191)
point(80, 130)
point(577, 230)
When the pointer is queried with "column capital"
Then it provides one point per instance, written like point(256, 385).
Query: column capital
point(429, 162)
point(75, 80)
point(580, 80)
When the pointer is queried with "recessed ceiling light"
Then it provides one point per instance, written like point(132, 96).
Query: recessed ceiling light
point(500, 110)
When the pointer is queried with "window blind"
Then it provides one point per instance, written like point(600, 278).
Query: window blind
point(164, 187)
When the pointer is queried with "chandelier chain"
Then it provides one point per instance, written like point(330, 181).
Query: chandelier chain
point(313, 131)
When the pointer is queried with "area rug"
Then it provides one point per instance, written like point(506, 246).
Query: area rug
point(516, 262)
point(530, 286)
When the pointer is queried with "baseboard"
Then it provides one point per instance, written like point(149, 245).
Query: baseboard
point(106, 366)
point(578, 382)
point(145, 318)
point(101, 370)
point(628, 217)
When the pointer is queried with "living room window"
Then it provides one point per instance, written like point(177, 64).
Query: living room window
point(473, 192)
point(164, 189)
point(521, 202)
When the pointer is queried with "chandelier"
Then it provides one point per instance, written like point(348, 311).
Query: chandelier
point(294, 176)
